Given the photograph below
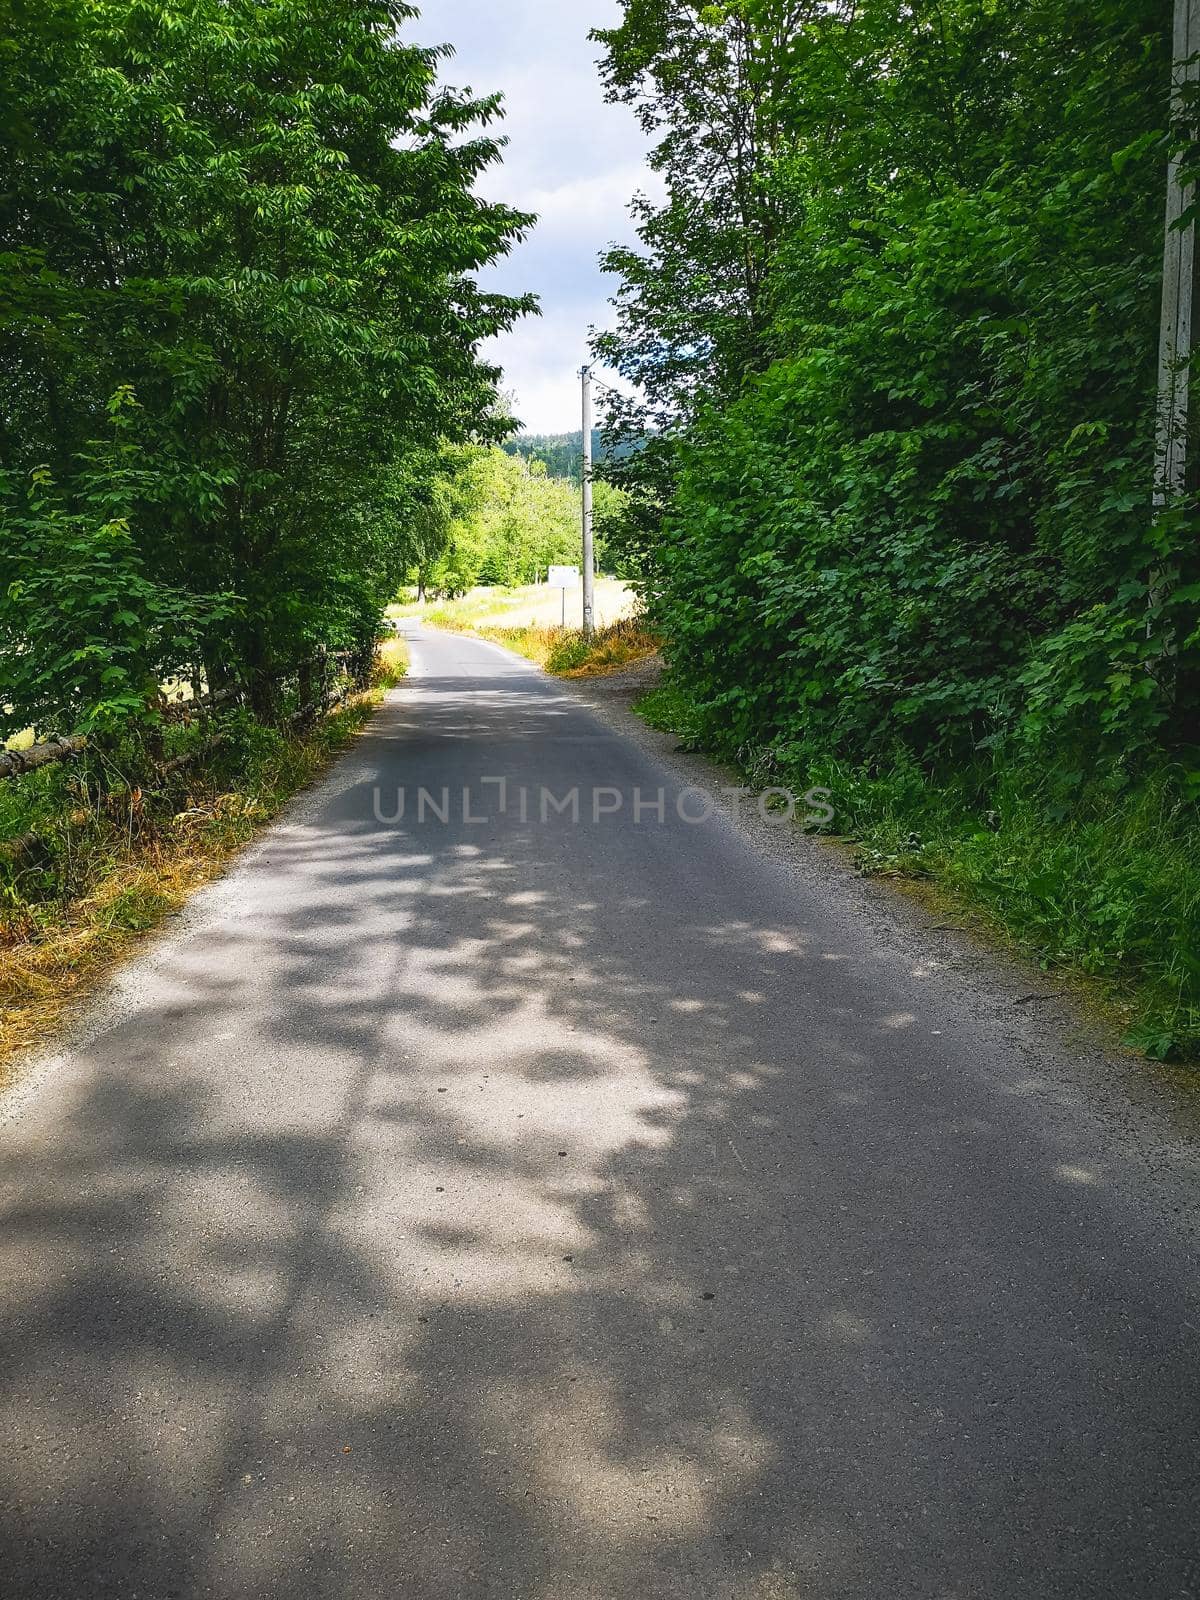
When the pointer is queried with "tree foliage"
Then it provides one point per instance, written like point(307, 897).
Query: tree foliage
point(896, 329)
point(490, 516)
point(257, 225)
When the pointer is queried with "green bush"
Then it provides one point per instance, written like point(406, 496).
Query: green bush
point(898, 347)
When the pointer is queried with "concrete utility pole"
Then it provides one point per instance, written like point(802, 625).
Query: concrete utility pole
point(589, 577)
point(1178, 291)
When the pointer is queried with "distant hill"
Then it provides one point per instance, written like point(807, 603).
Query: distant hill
point(562, 453)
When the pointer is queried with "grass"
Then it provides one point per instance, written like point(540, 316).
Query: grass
point(469, 608)
point(528, 604)
point(115, 859)
point(562, 651)
point(1102, 881)
point(669, 709)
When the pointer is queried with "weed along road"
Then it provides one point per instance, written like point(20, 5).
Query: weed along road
point(476, 1195)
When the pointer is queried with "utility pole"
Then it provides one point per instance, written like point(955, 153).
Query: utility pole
point(589, 578)
point(1178, 292)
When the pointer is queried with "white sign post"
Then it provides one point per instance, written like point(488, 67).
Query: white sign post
point(563, 578)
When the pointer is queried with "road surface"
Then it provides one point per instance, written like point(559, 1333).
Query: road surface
point(555, 1211)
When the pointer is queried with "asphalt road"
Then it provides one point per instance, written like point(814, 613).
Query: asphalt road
point(597, 1211)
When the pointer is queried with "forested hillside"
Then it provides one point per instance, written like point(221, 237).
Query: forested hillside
point(895, 332)
point(560, 453)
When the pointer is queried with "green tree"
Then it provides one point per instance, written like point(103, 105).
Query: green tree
point(508, 520)
point(900, 491)
point(261, 219)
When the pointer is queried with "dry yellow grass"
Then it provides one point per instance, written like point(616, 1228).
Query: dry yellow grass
point(563, 651)
point(613, 648)
point(43, 980)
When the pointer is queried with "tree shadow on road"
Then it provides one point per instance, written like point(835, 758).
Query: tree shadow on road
point(542, 1212)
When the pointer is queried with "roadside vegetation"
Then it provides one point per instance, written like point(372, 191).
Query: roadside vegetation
point(113, 848)
point(1105, 885)
point(565, 652)
point(894, 337)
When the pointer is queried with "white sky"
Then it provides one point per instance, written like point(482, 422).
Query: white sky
point(571, 158)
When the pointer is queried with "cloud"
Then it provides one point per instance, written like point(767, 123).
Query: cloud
point(587, 203)
point(571, 158)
